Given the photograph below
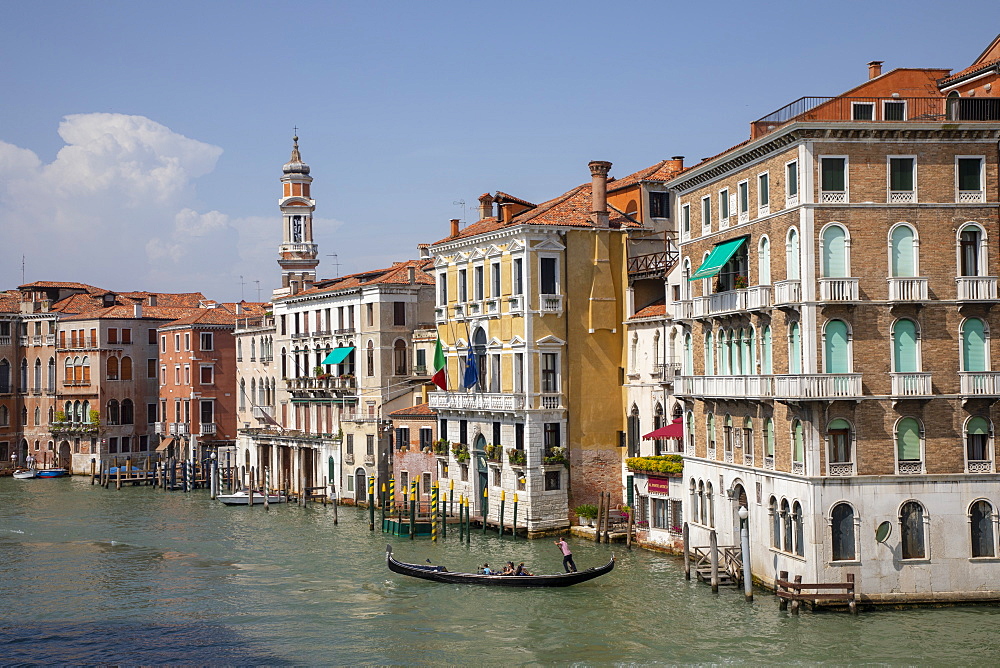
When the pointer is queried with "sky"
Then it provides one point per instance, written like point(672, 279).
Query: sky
point(141, 143)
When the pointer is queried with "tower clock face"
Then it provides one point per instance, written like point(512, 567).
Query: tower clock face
point(296, 228)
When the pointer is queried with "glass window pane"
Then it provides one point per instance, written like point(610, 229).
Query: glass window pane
point(982, 529)
point(792, 179)
point(973, 345)
point(832, 174)
point(843, 533)
point(837, 353)
point(969, 170)
point(904, 346)
point(903, 261)
point(834, 252)
point(901, 174)
point(912, 530)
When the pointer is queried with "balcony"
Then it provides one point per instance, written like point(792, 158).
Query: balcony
point(653, 264)
point(787, 292)
point(902, 197)
point(160, 428)
point(515, 303)
point(349, 459)
point(68, 427)
point(979, 383)
point(179, 429)
point(475, 308)
point(838, 289)
point(478, 401)
point(492, 306)
point(979, 466)
point(441, 314)
point(4, 340)
point(320, 384)
point(756, 298)
point(908, 289)
point(459, 310)
point(667, 372)
point(263, 413)
point(913, 467)
point(818, 387)
point(912, 384)
point(971, 196)
point(744, 387)
point(833, 197)
point(683, 310)
point(208, 428)
point(550, 401)
point(369, 460)
point(344, 331)
point(976, 288)
point(551, 304)
point(840, 469)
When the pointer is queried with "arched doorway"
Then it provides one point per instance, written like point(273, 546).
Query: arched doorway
point(479, 448)
point(65, 456)
point(360, 486)
point(739, 501)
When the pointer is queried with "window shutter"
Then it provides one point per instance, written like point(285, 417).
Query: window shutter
point(795, 361)
point(799, 451)
point(973, 345)
point(908, 440)
point(903, 264)
point(765, 362)
point(834, 252)
point(978, 426)
point(904, 346)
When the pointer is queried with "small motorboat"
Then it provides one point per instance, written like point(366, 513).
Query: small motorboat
point(57, 472)
point(441, 574)
point(25, 474)
point(246, 497)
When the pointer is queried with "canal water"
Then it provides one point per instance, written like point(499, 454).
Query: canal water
point(142, 576)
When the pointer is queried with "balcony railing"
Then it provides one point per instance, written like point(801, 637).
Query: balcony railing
point(5, 340)
point(667, 372)
point(179, 429)
point(976, 288)
point(907, 289)
point(902, 197)
point(311, 383)
point(971, 196)
point(840, 469)
point(819, 386)
point(551, 303)
point(550, 401)
point(725, 386)
point(756, 297)
point(653, 263)
point(979, 383)
point(343, 331)
point(911, 384)
point(683, 310)
point(515, 303)
point(159, 427)
point(492, 306)
point(979, 466)
point(263, 412)
point(910, 467)
point(207, 428)
point(788, 291)
point(838, 289)
point(769, 462)
point(477, 401)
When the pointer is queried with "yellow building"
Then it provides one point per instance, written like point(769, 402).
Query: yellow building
point(531, 296)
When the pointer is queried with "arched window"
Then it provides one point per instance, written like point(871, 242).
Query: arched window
point(702, 509)
point(903, 260)
point(766, 365)
point(688, 356)
point(710, 504)
point(4, 376)
point(239, 350)
point(85, 370)
point(243, 394)
point(52, 374)
point(4, 416)
point(769, 438)
point(127, 412)
point(747, 442)
point(838, 434)
point(842, 528)
point(399, 357)
point(797, 524)
point(977, 445)
point(710, 356)
point(911, 530)
point(689, 431)
point(38, 416)
point(974, 345)
point(685, 284)
point(794, 349)
point(772, 510)
point(126, 368)
point(981, 529)
point(908, 450)
point(68, 371)
point(971, 251)
point(24, 375)
point(792, 255)
point(113, 414)
point(253, 349)
point(835, 248)
point(38, 374)
point(786, 526)
point(837, 347)
point(798, 442)
point(84, 409)
point(904, 347)
point(370, 359)
point(659, 421)
point(479, 350)
point(710, 434)
point(764, 261)
point(727, 435)
point(112, 368)
point(284, 363)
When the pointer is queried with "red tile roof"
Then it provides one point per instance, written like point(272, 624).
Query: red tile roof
point(654, 310)
point(62, 284)
point(661, 171)
point(205, 316)
point(10, 301)
point(420, 410)
point(121, 312)
point(397, 274)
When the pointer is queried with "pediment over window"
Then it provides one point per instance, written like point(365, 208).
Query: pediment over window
point(550, 341)
point(548, 245)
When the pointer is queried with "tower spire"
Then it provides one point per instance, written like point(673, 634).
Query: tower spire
point(297, 255)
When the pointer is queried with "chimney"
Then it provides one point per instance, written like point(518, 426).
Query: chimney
point(676, 163)
point(599, 192)
point(137, 310)
point(411, 275)
point(500, 208)
point(152, 300)
point(454, 227)
point(424, 250)
point(485, 206)
point(874, 69)
point(239, 308)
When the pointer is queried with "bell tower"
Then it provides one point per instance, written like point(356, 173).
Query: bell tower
point(297, 253)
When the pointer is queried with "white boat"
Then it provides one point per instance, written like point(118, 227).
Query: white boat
point(25, 474)
point(243, 498)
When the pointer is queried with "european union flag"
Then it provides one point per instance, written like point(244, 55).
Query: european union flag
point(471, 371)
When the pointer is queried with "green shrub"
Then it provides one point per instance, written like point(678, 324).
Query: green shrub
point(668, 464)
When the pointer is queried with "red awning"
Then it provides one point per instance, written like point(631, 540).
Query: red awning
point(673, 430)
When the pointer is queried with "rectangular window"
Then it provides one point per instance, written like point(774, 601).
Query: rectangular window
point(519, 435)
point(901, 179)
point(207, 374)
point(792, 181)
point(548, 275)
point(187, 374)
point(686, 219)
point(518, 278)
point(421, 361)
point(743, 200)
point(370, 314)
point(402, 436)
point(177, 343)
point(126, 444)
point(724, 206)
point(151, 368)
point(425, 481)
point(426, 437)
point(552, 480)
point(550, 379)
point(519, 372)
point(207, 413)
point(706, 215)
point(399, 314)
point(113, 444)
point(551, 437)
point(350, 445)
point(177, 374)
point(187, 340)
point(496, 433)
point(163, 375)
point(463, 431)
point(894, 110)
point(126, 335)
point(443, 429)
point(763, 191)
point(112, 335)
point(833, 180)
point(442, 289)
point(463, 286)
point(151, 337)
point(969, 179)
point(862, 111)
point(480, 288)
point(659, 205)
point(495, 269)
point(370, 445)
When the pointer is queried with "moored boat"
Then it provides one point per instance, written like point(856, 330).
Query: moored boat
point(244, 497)
point(441, 574)
point(25, 474)
point(57, 472)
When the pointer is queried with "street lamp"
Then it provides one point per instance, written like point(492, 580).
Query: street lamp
point(745, 552)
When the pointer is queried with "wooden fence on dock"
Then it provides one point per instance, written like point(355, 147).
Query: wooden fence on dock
point(798, 592)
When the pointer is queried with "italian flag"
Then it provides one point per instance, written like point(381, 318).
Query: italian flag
point(440, 377)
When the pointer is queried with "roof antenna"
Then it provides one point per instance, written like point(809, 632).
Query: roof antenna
point(461, 203)
point(22, 270)
point(336, 265)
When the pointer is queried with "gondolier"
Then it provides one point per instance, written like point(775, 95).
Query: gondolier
point(567, 555)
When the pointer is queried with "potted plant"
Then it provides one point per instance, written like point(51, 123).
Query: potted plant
point(461, 452)
point(740, 282)
point(516, 457)
point(441, 447)
point(587, 512)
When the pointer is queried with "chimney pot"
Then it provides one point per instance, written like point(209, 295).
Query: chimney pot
point(454, 227)
point(137, 310)
point(485, 206)
point(411, 275)
point(599, 192)
point(874, 69)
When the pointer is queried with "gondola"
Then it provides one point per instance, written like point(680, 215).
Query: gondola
point(440, 574)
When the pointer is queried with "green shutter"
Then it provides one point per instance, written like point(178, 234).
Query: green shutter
point(795, 354)
point(769, 437)
point(798, 454)
point(792, 256)
point(838, 424)
point(902, 252)
point(904, 346)
point(709, 356)
point(969, 170)
point(834, 252)
point(977, 426)
point(837, 357)
point(973, 345)
point(908, 440)
point(748, 363)
point(765, 357)
point(901, 174)
point(833, 174)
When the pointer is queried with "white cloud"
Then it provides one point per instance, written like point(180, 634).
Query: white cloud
point(115, 208)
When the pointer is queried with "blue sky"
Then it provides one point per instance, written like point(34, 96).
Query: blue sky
point(141, 143)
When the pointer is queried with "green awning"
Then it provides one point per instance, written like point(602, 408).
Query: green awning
point(717, 258)
point(338, 355)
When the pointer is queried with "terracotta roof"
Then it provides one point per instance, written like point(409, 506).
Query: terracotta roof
point(10, 301)
point(420, 410)
point(62, 284)
point(121, 312)
point(510, 198)
point(654, 310)
point(571, 209)
point(166, 298)
point(397, 274)
point(972, 69)
point(204, 316)
point(661, 171)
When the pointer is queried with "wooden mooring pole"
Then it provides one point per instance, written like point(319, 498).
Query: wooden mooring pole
point(686, 541)
point(713, 548)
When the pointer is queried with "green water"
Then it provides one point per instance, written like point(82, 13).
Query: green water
point(145, 576)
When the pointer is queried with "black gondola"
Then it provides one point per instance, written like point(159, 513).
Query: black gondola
point(440, 574)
